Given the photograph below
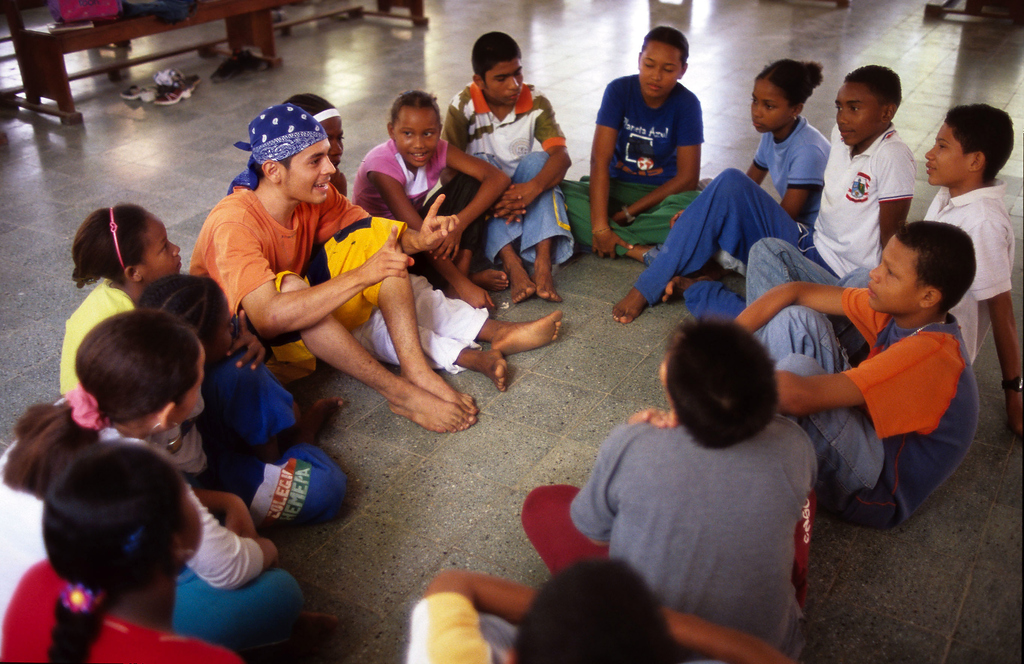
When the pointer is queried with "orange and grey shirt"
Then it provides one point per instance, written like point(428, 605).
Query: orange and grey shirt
point(920, 392)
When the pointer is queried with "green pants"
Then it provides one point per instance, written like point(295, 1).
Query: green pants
point(650, 228)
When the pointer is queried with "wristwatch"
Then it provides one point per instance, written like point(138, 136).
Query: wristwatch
point(1015, 384)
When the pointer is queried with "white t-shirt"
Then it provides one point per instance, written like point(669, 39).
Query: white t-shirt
point(982, 215)
point(846, 232)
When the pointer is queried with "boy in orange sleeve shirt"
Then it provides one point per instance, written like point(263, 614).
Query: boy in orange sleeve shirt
point(891, 430)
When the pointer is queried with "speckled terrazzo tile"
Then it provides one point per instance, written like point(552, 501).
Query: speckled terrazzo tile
point(382, 424)
point(576, 310)
point(850, 634)
point(384, 644)
point(647, 334)
point(440, 503)
point(980, 472)
point(949, 522)
point(905, 580)
point(1010, 492)
point(600, 278)
point(569, 462)
point(29, 345)
point(326, 382)
point(299, 544)
point(496, 449)
point(374, 564)
point(961, 653)
point(18, 393)
point(372, 466)
point(546, 403)
point(498, 535)
point(588, 363)
point(992, 428)
point(354, 623)
point(595, 427)
point(1001, 543)
point(642, 384)
point(990, 618)
point(831, 543)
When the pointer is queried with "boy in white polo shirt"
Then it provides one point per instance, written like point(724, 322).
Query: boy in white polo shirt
point(869, 185)
point(500, 120)
point(972, 146)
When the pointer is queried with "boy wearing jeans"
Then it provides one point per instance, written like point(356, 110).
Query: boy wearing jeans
point(891, 430)
point(500, 120)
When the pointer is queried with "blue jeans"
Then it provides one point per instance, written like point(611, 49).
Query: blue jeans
point(771, 261)
point(850, 454)
point(732, 213)
point(259, 613)
point(545, 218)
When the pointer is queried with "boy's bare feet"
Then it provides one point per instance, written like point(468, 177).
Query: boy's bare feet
point(637, 251)
point(629, 307)
point(520, 282)
point(676, 286)
point(430, 411)
point(545, 284)
point(509, 338)
point(313, 420)
point(492, 280)
point(490, 363)
point(430, 381)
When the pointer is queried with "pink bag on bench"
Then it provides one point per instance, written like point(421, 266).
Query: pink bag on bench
point(69, 11)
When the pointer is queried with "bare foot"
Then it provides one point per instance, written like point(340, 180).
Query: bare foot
point(432, 413)
point(490, 363)
point(546, 285)
point(522, 286)
point(629, 307)
point(471, 294)
point(492, 280)
point(510, 338)
point(430, 381)
point(637, 252)
point(313, 420)
point(676, 286)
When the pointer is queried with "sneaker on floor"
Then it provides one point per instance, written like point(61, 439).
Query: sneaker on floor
point(134, 92)
point(172, 96)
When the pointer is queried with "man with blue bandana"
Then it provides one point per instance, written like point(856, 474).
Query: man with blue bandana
point(257, 244)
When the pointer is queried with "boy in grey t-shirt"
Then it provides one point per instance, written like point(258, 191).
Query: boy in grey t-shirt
point(702, 500)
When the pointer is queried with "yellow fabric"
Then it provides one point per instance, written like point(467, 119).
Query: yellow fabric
point(453, 636)
point(354, 248)
point(293, 360)
point(103, 302)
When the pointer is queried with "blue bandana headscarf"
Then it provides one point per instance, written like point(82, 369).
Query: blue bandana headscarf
point(275, 134)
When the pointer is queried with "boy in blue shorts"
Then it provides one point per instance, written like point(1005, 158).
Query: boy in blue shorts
point(869, 185)
point(890, 431)
point(500, 120)
point(972, 146)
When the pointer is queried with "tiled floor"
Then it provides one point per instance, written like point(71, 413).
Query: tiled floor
point(946, 587)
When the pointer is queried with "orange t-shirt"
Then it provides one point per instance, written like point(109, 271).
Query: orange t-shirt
point(242, 247)
point(909, 385)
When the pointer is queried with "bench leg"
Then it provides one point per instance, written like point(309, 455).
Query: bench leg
point(44, 75)
point(253, 29)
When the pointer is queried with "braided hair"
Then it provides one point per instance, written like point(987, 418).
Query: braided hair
point(198, 301)
point(108, 523)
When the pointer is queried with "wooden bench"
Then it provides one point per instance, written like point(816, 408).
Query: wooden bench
point(40, 54)
point(998, 9)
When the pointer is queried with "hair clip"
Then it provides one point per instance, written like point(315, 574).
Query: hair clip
point(132, 542)
point(76, 598)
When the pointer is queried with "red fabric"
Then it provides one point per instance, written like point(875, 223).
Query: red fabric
point(549, 527)
point(802, 550)
point(30, 620)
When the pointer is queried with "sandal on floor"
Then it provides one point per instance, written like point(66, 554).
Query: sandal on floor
point(134, 92)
